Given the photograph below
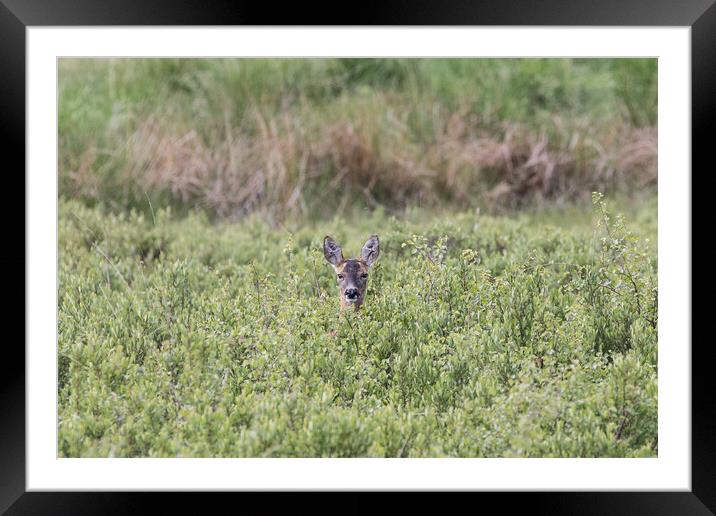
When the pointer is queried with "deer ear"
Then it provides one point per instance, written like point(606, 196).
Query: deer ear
point(332, 251)
point(371, 250)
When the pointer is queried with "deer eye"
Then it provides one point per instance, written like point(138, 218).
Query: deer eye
point(364, 276)
point(340, 276)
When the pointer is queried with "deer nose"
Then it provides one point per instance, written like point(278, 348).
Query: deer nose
point(351, 293)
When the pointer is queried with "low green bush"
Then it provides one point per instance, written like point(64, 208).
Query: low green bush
point(480, 337)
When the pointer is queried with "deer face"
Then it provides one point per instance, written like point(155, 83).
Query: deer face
point(352, 274)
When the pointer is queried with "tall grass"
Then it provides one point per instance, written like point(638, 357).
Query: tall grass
point(311, 137)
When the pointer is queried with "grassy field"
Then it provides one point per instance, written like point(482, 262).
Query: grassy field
point(311, 138)
point(481, 336)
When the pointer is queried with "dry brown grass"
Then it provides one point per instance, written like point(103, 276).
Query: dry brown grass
point(280, 167)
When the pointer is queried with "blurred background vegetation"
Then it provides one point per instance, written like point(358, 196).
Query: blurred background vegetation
point(312, 138)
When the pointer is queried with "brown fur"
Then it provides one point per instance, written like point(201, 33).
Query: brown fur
point(351, 274)
point(352, 270)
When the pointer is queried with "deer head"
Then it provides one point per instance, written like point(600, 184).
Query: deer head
point(352, 274)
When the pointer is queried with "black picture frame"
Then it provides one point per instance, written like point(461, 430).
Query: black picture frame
point(16, 15)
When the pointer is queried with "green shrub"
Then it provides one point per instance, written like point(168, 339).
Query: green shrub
point(480, 337)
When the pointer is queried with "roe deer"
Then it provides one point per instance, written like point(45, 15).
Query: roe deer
point(352, 274)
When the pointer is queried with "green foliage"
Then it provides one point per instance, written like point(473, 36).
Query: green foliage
point(480, 337)
point(636, 87)
point(504, 89)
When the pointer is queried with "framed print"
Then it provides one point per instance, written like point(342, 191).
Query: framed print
point(441, 249)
